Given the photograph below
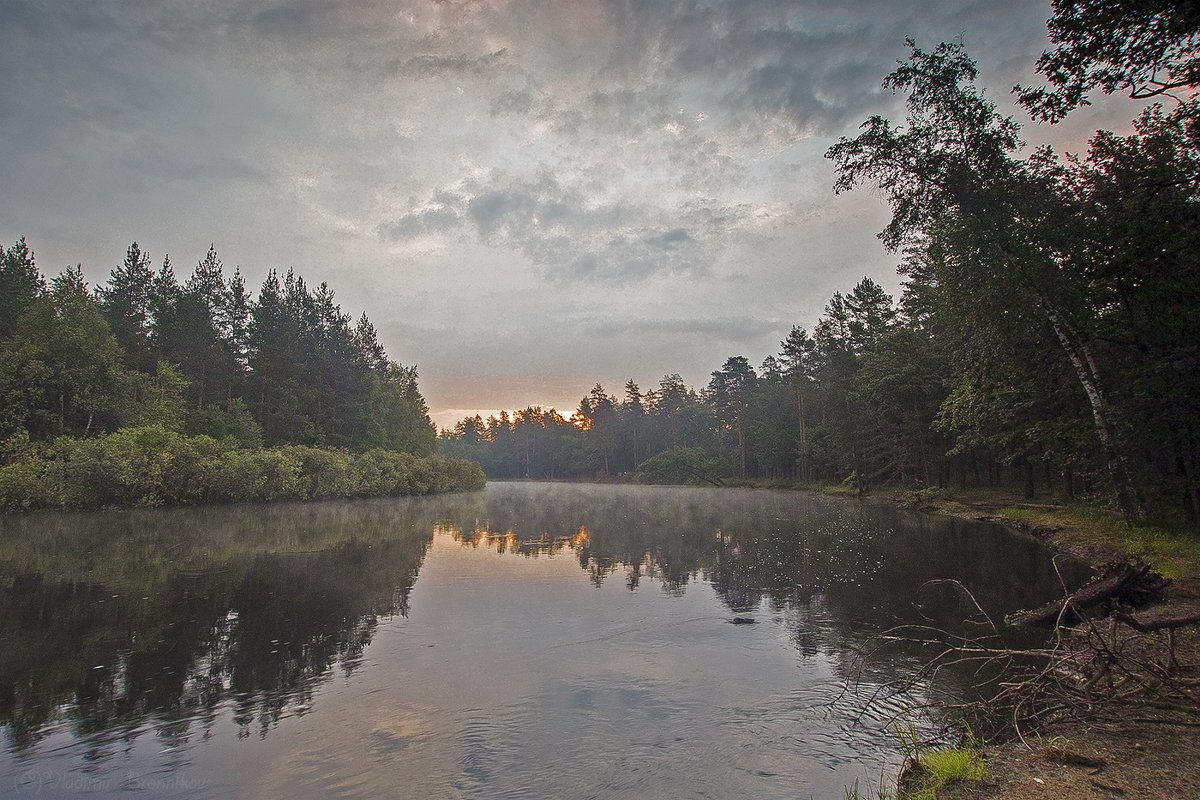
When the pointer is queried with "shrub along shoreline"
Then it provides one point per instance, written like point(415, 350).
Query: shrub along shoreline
point(153, 465)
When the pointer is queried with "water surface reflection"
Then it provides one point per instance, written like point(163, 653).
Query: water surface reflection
point(562, 640)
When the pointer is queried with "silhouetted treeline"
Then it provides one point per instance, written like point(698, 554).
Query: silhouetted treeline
point(1048, 334)
point(854, 399)
point(150, 391)
point(878, 393)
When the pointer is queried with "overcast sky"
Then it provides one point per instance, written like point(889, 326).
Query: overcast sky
point(524, 197)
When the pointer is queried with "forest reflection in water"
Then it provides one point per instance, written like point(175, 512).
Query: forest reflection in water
point(200, 627)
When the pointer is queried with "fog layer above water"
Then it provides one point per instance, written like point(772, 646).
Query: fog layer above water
point(530, 640)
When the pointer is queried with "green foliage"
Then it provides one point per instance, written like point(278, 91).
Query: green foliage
point(314, 379)
point(157, 466)
point(20, 284)
point(929, 769)
point(934, 769)
point(1055, 288)
point(159, 399)
point(1143, 47)
point(30, 483)
point(126, 303)
point(1173, 553)
point(61, 370)
point(684, 465)
point(151, 393)
point(396, 415)
point(729, 393)
point(923, 499)
point(229, 421)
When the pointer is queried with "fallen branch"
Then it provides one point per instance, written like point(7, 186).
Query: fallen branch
point(1157, 624)
point(1126, 583)
point(1088, 665)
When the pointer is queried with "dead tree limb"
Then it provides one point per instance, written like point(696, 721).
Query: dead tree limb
point(1144, 625)
point(1132, 584)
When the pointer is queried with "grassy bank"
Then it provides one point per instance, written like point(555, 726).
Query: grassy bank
point(1094, 534)
point(155, 466)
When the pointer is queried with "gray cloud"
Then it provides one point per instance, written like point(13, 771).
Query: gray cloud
point(416, 223)
point(545, 174)
point(289, 22)
point(430, 65)
point(569, 236)
point(722, 330)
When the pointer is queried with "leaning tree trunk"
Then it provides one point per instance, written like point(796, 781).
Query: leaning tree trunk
point(803, 434)
point(1081, 359)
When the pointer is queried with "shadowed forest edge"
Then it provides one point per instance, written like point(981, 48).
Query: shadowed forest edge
point(149, 392)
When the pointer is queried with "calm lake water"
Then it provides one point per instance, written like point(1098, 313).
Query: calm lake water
point(525, 641)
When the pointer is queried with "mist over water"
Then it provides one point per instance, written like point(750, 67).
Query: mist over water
point(529, 640)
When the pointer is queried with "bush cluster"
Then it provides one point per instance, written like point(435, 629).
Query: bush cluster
point(156, 466)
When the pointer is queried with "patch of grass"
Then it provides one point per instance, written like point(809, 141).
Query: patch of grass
point(941, 767)
point(934, 769)
point(1175, 554)
point(868, 792)
point(929, 770)
point(926, 499)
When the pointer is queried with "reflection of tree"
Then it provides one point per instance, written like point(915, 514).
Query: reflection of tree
point(836, 571)
point(229, 605)
point(642, 531)
point(119, 619)
point(863, 564)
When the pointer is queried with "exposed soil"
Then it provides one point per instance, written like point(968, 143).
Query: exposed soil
point(1130, 758)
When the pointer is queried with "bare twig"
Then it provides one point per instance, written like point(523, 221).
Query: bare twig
point(1083, 667)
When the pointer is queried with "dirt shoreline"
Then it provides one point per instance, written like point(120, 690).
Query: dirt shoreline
point(1113, 751)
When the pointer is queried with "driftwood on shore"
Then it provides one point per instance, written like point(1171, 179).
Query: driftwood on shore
point(1128, 584)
